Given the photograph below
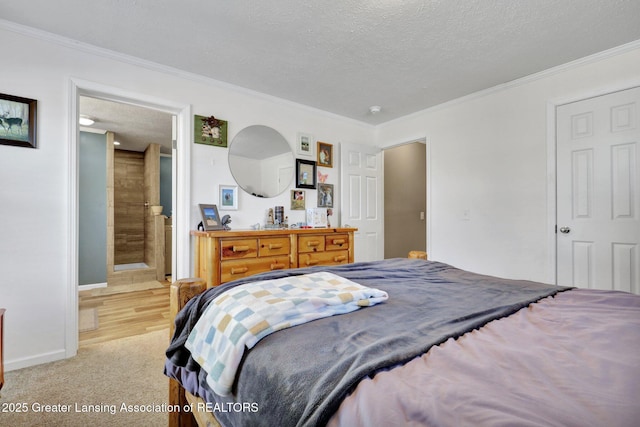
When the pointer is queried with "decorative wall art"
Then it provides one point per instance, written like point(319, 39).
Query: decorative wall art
point(18, 121)
point(228, 197)
point(325, 195)
point(297, 200)
point(325, 154)
point(305, 173)
point(322, 177)
point(210, 131)
point(304, 145)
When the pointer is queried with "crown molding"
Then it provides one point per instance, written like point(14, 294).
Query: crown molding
point(154, 66)
point(596, 57)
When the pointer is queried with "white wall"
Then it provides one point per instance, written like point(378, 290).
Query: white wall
point(488, 157)
point(35, 191)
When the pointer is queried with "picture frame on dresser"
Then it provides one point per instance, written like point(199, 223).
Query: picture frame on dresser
point(210, 217)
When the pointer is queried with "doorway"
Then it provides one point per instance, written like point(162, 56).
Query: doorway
point(120, 148)
point(598, 192)
point(405, 199)
point(181, 134)
point(132, 140)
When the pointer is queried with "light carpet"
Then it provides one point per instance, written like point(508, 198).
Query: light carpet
point(117, 383)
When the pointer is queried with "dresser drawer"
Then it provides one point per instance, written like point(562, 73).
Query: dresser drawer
point(238, 248)
point(323, 258)
point(336, 242)
point(270, 246)
point(313, 243)
point(226, 255)
point(236, 269)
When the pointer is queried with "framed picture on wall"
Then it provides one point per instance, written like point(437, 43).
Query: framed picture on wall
point(210, 131)
point(18, 121)
point(210, 217)
point(297, 200)
point(305, 173)
point(325, 154)
point(325, 195)
point(228, 197)
point(304, 145)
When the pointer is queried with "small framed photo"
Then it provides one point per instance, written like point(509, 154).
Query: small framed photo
point(297, 200)
point(229, 197)
point(210, 131)
point(210, 218)
point(304, 145)
point(325, 154)
point(305, 174)
point(18, 121)
point(325, 195)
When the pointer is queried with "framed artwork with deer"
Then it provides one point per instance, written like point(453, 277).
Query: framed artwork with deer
point(18, 121)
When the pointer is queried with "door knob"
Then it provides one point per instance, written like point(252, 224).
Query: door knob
point(565, 230)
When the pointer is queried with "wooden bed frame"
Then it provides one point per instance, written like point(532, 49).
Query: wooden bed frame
point(179, 294)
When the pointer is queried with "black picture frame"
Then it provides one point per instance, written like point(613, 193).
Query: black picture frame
point(210, 217)
point(305, 173)
point(20, 113)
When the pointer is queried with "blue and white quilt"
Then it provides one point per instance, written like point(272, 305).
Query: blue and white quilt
point(244, 315)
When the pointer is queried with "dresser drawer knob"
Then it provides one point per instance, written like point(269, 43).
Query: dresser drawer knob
point(313, 243)
point(339, 258)
point(242, 248)
point(338, 242)
point(275, 246)
point(239, 270)
point(312, 262)
point(278, 266)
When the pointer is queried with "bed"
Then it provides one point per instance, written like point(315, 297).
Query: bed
point(448, 347)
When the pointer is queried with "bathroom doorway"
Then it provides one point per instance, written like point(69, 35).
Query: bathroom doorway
point(132, 179)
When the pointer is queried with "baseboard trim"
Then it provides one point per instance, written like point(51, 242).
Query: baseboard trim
point(92, 286)
point(12, 365)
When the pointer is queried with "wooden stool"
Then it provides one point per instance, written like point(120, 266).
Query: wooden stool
point(418, 255)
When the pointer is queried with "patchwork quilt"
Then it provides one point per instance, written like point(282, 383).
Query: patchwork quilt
point(244, 315)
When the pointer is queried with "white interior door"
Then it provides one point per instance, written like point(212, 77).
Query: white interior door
point(598, 186)
point(362, 199)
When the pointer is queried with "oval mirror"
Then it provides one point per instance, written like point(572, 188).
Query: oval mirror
point(261, 161)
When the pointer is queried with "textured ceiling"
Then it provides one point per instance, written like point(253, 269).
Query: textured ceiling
point(344, 56)
point(134, 127)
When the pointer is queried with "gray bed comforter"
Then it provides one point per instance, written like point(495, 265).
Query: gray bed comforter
point(299, 376)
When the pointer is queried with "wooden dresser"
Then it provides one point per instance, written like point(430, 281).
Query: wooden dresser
point(223, 256)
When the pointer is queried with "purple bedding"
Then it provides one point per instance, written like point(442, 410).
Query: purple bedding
point(568, 360)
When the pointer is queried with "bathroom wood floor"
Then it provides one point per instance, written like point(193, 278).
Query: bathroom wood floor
point(126, 314)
